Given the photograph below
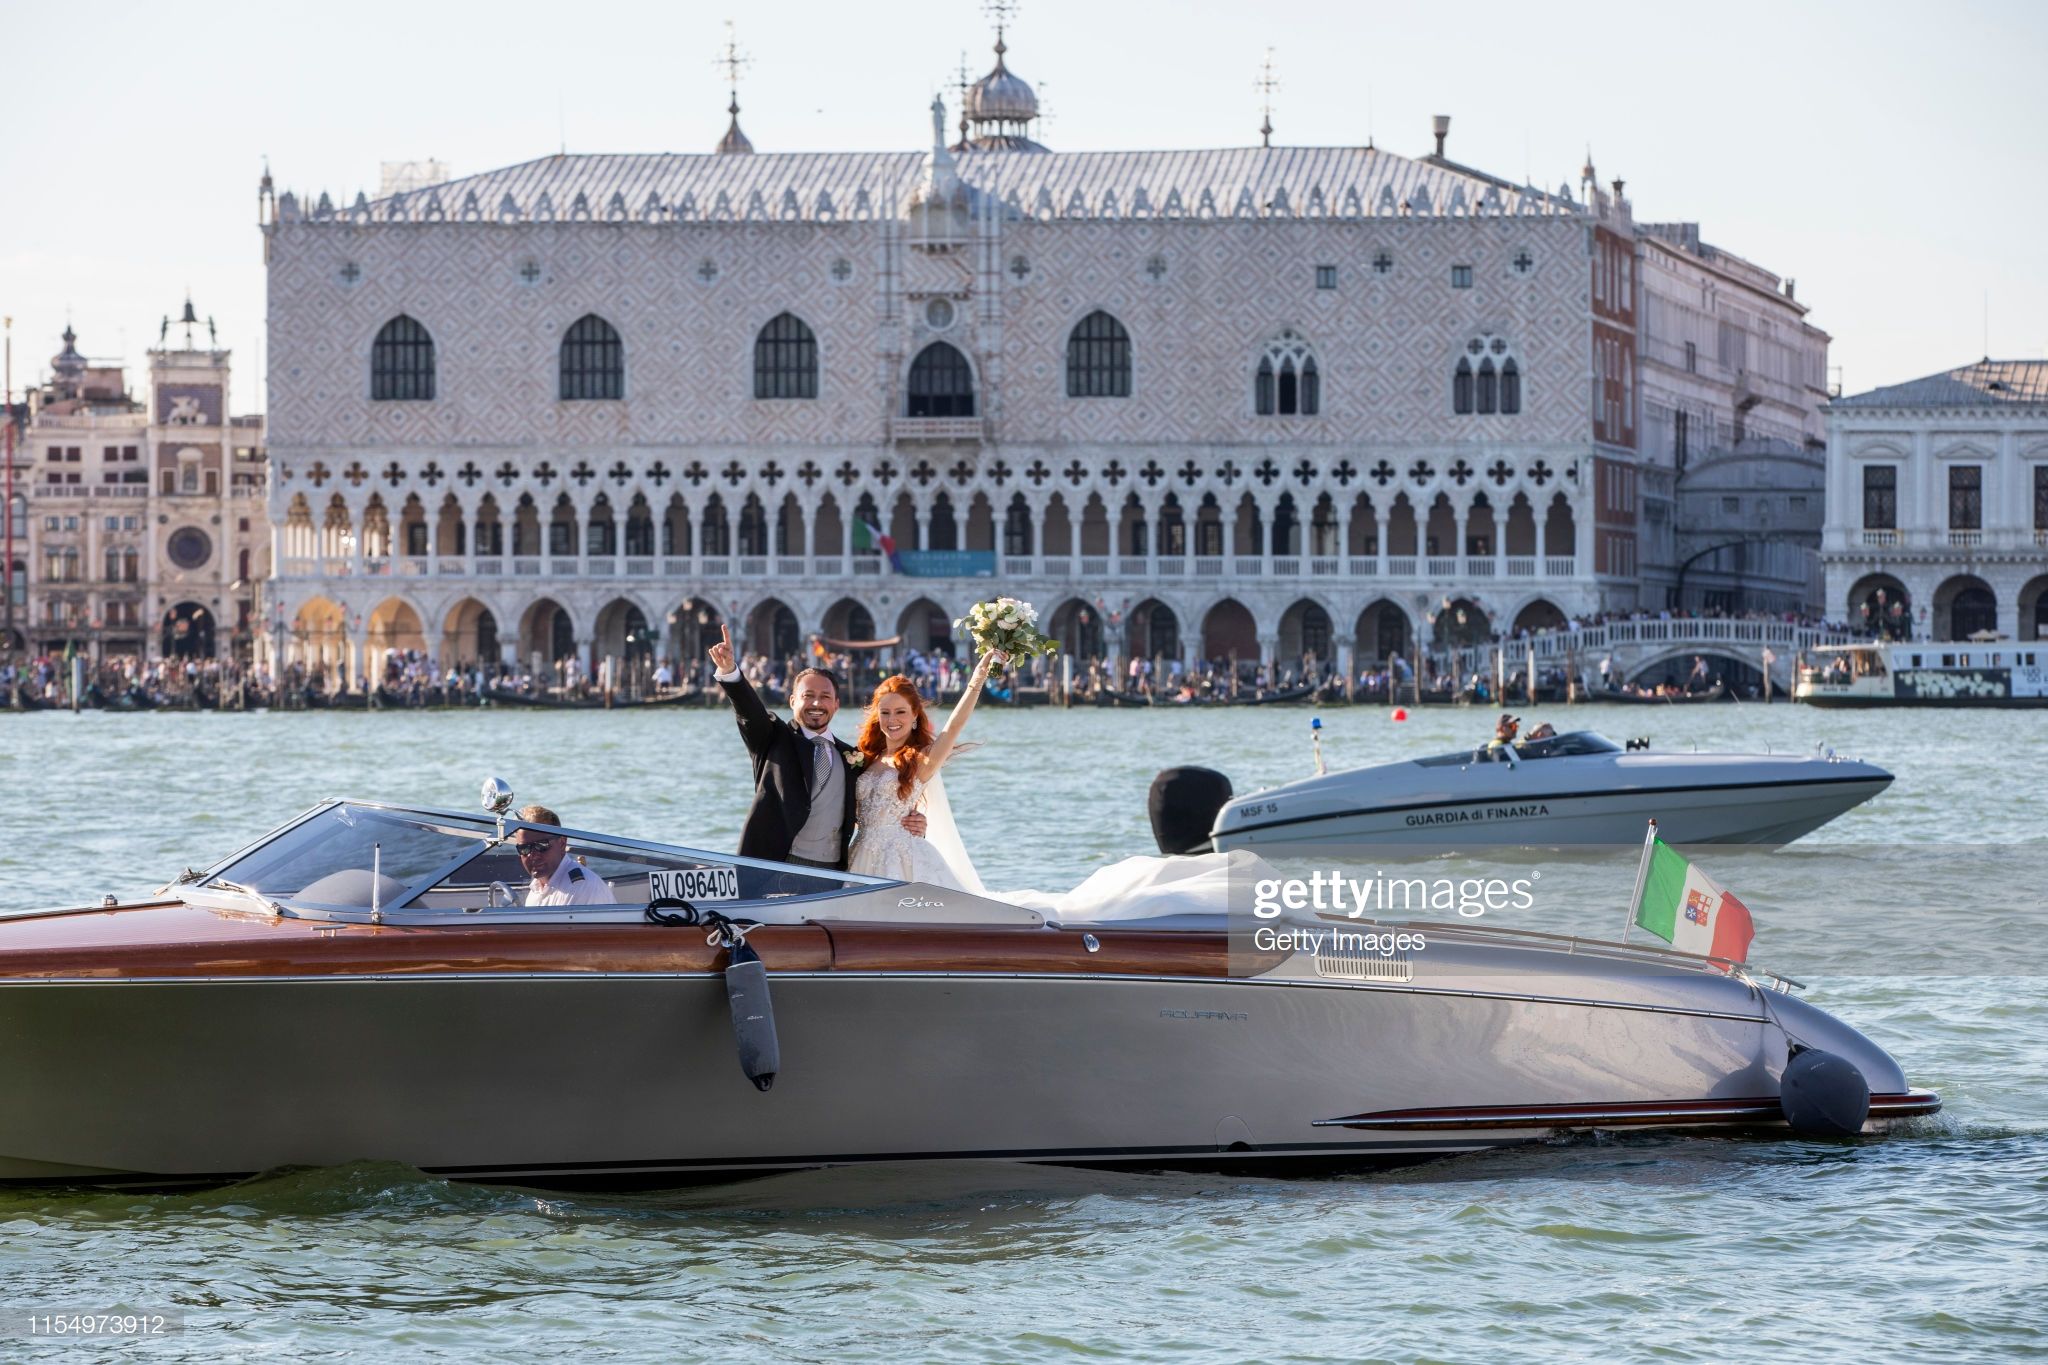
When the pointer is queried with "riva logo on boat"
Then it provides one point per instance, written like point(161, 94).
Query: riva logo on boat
point(919, 903)
point(696, 884)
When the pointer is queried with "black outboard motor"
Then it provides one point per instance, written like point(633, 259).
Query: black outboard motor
point(1183, 805)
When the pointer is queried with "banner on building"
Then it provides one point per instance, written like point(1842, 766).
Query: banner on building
point(946, 563)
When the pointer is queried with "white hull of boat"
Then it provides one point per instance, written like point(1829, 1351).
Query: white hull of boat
point(1765, 814)
point(1604, 796)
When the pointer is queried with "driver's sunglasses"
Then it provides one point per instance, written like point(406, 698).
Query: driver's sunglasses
point(532, 846)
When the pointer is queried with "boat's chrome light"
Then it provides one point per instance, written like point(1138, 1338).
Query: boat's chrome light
point(497, 799)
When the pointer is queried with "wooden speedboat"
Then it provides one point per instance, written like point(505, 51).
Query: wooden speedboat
point(359, 984)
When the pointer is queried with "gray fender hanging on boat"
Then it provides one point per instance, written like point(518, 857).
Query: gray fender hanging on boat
point(753, 1015)
point(1823, 1095)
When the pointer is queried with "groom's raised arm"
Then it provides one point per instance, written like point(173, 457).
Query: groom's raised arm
point(757, 726)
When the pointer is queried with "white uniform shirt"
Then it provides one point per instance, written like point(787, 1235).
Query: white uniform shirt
point(572, 884)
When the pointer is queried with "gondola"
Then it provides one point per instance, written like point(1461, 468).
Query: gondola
point(129, 699)
point(543, 701)
point(1292, 694)
point(1109, 696)
point(1714, 693)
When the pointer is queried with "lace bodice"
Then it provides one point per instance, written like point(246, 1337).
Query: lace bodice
point(878, 811)
point(882, 847)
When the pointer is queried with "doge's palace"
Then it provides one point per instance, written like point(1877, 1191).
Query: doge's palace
point(1248, 403)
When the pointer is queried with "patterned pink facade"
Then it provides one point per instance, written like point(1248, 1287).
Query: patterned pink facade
point(1348, 529)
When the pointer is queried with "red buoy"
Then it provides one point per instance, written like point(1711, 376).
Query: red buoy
point(1400, 713)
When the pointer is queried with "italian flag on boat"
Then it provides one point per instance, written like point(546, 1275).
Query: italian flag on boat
point(1686, 908)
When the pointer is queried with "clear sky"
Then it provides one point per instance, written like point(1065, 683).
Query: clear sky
point(1886, 155)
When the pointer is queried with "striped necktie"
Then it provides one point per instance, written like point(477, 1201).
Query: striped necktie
point(821, 754)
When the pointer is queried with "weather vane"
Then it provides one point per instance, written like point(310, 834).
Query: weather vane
point(1266, 84)
point(733, 60)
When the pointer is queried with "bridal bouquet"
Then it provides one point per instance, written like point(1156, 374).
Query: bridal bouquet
point(1008, 625)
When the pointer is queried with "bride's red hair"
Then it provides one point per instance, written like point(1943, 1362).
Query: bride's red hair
point(875, 745)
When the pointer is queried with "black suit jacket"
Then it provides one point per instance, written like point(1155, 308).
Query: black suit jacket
point(782, 778)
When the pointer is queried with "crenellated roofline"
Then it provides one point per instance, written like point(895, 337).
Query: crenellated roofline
point(1241, 183)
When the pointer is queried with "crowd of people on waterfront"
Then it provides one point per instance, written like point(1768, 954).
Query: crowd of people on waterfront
point(129, 682)
point(411, 677)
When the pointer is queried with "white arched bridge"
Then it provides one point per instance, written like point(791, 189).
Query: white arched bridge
point(1635, 648)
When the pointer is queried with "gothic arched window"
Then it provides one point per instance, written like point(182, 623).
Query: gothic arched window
point(1487, 379)
point(1017, 527)
point(593, 361)
point(785, 359)
point(401, 363)
point(941, 384)
point(1287, 383)
point(753, 527)
point(1098, 358)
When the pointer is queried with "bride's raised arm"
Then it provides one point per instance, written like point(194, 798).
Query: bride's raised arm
point(942, 747)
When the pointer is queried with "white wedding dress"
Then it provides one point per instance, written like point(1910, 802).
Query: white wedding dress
point(883, 848)
point(1140, 887)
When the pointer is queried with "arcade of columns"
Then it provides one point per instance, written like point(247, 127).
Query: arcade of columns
point(1260, 556)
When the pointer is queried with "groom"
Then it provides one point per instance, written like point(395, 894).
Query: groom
point(803, 782)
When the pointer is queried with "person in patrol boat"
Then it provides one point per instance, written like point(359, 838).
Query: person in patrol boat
point(558, 879)
point(1504, 734)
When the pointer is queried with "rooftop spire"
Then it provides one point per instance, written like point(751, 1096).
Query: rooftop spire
point(964, 83)
point(734, 143)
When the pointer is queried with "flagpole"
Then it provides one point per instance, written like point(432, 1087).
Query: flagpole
point(1642, 874)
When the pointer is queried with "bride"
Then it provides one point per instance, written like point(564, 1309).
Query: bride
point(899, 764)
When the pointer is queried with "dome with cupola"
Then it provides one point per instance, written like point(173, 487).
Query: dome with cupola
point(1000, 108)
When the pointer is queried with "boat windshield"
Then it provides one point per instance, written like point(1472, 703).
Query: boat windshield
point(342, 857)
point(1576, 744)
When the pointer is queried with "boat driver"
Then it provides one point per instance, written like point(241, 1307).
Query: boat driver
point(1504, 733)
point(558, 879)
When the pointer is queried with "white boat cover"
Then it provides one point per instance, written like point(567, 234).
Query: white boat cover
point(1146, 888)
